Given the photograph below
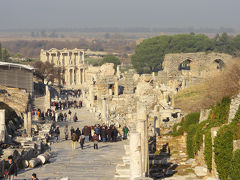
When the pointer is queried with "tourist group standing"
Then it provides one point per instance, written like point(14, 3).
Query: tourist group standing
point(93, 134)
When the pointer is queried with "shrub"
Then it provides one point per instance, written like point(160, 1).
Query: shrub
point(192, 118)
point(208, 150)
point(223, 147)
point(187, 121)
point(199, 136)
point(190, 140)
point(235, 166)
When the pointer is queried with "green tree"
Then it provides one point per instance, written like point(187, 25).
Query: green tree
point(18, 55)
point(235, 44)
point(111, 59)
point(222, 43)
point(5, 55)
point(47, 71)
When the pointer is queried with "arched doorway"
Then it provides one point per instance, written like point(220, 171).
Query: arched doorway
point(185, 65)
point(219, 64)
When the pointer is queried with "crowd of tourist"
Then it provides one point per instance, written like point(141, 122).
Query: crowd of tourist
point(94, 134)
point(62, 105)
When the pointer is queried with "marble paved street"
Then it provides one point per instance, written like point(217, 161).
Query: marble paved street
point(86, 164)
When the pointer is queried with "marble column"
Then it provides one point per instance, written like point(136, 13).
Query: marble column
point(172, 101)
point(84, 75)
point(116, 87)
point(83, 60)
point(214, 131)
point(25, 116)
point(2, 125)
point(29, 124)
point(104, 111)
point(118, 71)
point(56, 117)
point(135, 155)
point(91, 94)
point(47, 99)
point(141, 128)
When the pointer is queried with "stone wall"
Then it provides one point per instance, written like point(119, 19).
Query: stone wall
point(235, 102)
point(200, 63)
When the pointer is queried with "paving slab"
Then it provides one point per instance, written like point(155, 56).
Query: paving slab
point(86, 164)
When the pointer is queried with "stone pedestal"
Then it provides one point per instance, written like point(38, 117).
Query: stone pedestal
point(2, 125)
point(29, 124)
point(135, 155)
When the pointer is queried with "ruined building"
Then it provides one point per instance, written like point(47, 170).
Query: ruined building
point(71, 62)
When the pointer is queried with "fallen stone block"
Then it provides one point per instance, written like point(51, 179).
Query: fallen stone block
point(200, 171)
point(34, 162)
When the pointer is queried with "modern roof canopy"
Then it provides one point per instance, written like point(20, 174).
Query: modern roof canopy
point(21, 66)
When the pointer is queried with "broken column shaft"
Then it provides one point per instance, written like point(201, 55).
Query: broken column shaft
point(25, 116)
point(29, 124)
point(141, 127)
point(135, 155)
point(2, 125)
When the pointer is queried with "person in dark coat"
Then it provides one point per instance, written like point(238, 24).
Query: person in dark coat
point(57, 133)
point(11, 172)
point(114, 134)
point(72, 131)
point(78, 133)
point(109, 134)
point(86, 133)
point(97, 130)
point(95, 141)
point(81, 141)
point(34, 176)
point(103, 134)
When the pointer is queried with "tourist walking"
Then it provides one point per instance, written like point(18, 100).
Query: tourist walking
point(114, 134)
point(97, 130)
point(81, 141)
point(11, 172)
point(57, 133)
point(75, 117)
point(69, 115)
point(72, 131)
point(78, 133)
point(95, 141)
point(74, 139)
point(65, 117)
point(66, 132)
point(103, 134)
point(34, 176)
point(125, 132)
point(86, 133)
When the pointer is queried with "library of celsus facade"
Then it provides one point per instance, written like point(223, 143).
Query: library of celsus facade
point(72, 62)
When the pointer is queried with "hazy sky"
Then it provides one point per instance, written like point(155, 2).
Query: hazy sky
point(119, 13)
